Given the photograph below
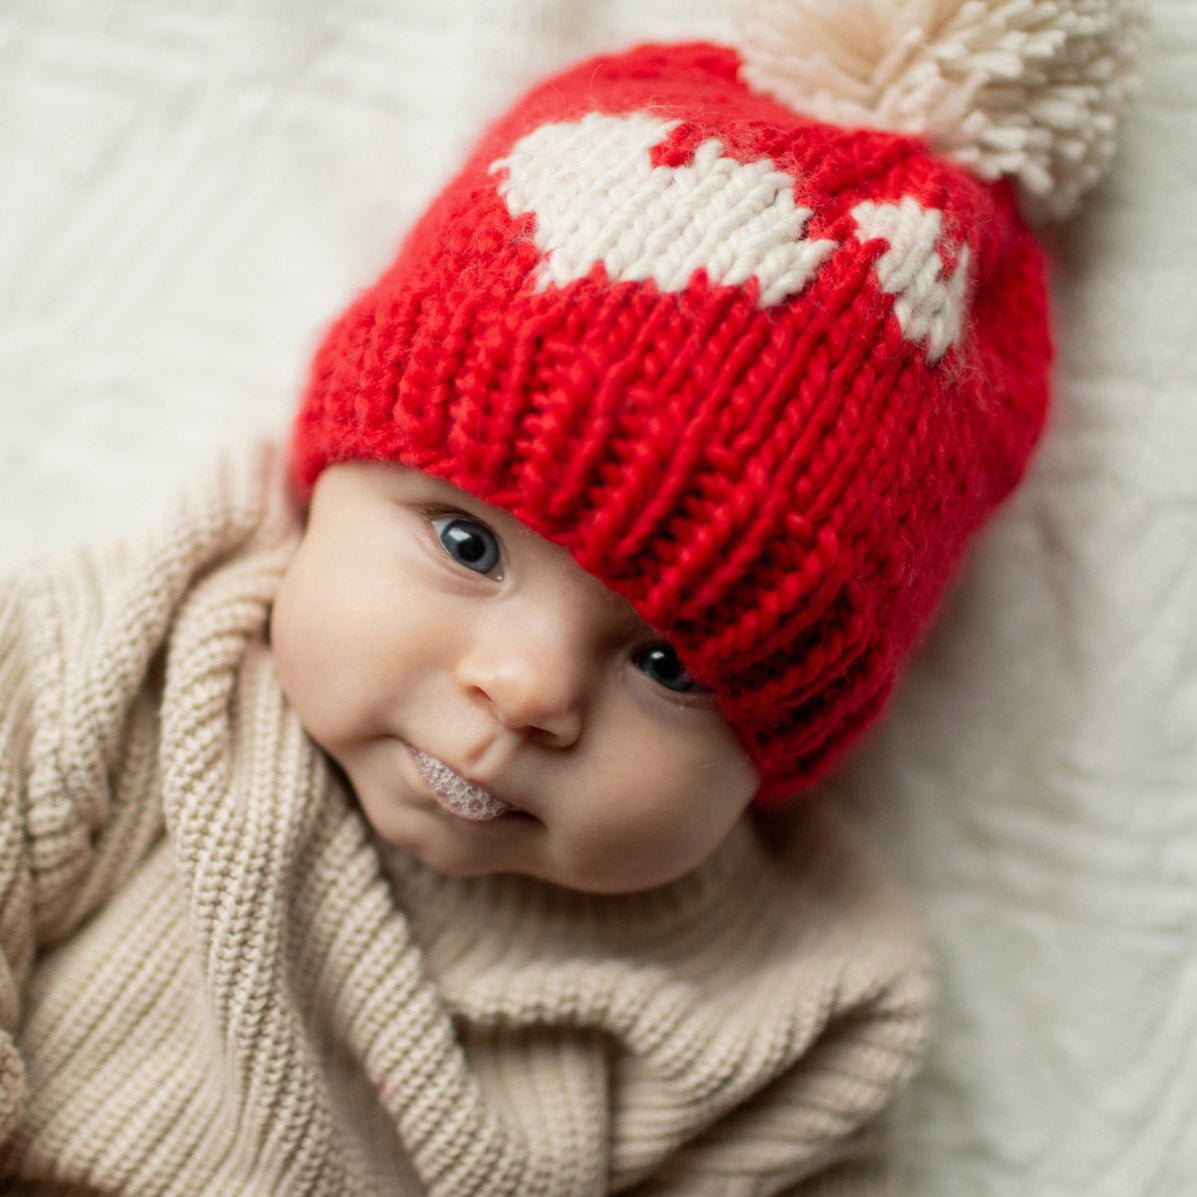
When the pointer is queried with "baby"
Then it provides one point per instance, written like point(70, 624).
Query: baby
point(396, 819)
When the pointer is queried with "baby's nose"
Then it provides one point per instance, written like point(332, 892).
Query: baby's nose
point(535, 674)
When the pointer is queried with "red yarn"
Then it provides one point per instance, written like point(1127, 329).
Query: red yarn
point(781, 489)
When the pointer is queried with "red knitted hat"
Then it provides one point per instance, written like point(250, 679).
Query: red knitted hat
point(762, 375)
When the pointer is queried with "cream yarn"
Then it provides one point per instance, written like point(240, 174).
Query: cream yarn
point(1032, 90)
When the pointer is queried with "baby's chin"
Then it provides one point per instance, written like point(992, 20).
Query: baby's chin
point(419, 835)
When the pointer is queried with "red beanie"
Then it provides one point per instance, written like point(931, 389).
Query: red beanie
point(761, 375)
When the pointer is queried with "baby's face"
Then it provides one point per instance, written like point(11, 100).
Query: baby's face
point(495, 708)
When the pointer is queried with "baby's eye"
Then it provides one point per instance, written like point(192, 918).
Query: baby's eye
point(469, 543)
point(660, 662)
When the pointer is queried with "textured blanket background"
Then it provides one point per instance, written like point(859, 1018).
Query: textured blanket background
point(189, 188)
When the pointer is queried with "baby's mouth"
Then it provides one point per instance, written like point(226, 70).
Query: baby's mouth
point(455, 793)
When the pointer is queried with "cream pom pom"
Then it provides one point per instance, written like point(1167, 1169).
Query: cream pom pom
point(1028, 89)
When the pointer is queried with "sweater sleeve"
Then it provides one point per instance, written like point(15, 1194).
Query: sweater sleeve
point(77, 808)
point(839, 1003)
point(759, 1152)
point(862, 1166)
point(84, 648)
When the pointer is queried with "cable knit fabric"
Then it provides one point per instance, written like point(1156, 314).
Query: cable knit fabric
point(215, 981)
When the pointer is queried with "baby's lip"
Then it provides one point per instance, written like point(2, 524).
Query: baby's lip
point(458, 794)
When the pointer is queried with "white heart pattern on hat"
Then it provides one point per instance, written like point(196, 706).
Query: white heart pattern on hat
point(597, 197)
point(911, 270)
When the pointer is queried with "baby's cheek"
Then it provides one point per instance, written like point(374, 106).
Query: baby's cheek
point(660, 815)
point(302, 645)
point(703, 792)
point(286, 641)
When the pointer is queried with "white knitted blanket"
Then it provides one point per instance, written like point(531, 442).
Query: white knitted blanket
point(191, 188)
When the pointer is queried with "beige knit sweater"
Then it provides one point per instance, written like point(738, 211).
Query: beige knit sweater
point(213, 981)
